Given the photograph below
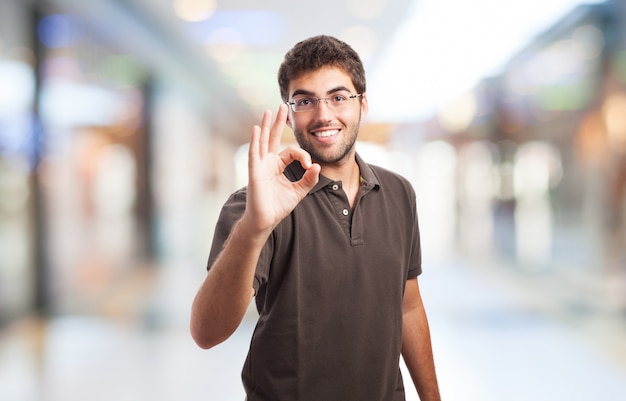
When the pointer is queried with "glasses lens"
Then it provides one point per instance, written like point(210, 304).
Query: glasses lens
point(336, 101)
point(304, 103)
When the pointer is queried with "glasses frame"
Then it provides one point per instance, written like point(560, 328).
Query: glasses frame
point(316, 102)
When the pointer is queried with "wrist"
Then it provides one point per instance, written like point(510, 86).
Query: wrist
point(248, 231)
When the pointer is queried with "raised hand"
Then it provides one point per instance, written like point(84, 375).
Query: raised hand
point(271, 196)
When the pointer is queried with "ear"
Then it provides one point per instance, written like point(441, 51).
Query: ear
point(364, 105)
point(289, 122)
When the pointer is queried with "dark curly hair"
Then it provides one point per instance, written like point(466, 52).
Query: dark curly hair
point(316, 52)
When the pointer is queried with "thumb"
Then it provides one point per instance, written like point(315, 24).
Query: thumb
point(310, 178)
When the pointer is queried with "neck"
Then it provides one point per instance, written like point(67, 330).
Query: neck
point(345, 171)
point(348, 173)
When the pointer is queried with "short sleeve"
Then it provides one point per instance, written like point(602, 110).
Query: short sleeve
point(231, 212)
point(415, 257)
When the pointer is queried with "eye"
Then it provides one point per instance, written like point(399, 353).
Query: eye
point(338, 98)
point(305, 101)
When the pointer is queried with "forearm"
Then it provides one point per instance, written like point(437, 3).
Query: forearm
point(418, 355)
point(227, 290)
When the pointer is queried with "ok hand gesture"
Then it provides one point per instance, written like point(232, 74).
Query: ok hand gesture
point(271, 196)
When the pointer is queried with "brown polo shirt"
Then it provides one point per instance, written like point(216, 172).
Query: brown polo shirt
point(329, 286)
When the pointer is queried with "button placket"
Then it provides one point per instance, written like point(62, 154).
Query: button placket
point(340, 201)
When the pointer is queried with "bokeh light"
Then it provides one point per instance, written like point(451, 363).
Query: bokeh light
point(194, 10)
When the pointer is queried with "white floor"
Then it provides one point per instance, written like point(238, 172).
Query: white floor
point(492, 338)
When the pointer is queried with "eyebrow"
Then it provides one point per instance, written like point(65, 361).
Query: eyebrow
point(309, 93)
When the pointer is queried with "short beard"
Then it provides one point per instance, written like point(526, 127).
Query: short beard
point(322, 157)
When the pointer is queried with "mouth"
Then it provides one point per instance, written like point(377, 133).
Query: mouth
point(326, 133)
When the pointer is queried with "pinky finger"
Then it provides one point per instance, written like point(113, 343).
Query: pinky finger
point(255, 146)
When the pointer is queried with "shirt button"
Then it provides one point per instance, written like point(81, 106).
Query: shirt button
point(345, 212)
point(335, 187)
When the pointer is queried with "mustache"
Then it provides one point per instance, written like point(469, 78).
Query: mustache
point(319, 125)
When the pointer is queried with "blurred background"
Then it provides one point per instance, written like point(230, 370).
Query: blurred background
point(123, 126)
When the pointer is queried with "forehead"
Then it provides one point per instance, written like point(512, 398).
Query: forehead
point(322, 81)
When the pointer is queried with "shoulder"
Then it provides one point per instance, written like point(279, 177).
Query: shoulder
point(390, 180)
point(386, 174)
point(395, 190)
point(233, 207)
point(382, 177)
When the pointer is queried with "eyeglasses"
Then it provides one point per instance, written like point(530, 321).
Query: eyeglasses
point(309, 103)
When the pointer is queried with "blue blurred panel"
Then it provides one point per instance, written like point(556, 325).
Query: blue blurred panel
point(58, 30)
point(16, 136)
point(255, 27)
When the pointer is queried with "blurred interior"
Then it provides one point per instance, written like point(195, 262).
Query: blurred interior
point(123, 126)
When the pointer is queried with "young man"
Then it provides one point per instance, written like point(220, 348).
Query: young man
point(327, 244)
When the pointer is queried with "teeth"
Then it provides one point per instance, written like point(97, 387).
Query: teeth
point(323, 134)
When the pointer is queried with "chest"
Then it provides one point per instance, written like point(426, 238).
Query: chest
point(326, 249)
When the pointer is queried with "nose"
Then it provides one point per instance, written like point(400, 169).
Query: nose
point(323, 109)
point(324, 100)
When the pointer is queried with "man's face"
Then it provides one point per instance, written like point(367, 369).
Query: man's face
point(327, 133)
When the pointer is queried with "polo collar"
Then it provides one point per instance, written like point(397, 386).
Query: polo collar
point(295, 171)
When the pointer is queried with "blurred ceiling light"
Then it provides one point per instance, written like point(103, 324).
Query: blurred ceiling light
point(423, 54)
point(362, 38)
point(194, 10)
point(459, 114)
point(366, 9)
point(225, 45)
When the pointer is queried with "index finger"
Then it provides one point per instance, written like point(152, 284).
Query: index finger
point(278, 127)
point(292, 153)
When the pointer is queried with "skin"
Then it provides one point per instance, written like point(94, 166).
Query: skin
point(327, 146)
point(335, 153)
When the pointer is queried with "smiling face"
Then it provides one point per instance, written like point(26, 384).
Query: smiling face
point(328, 134)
